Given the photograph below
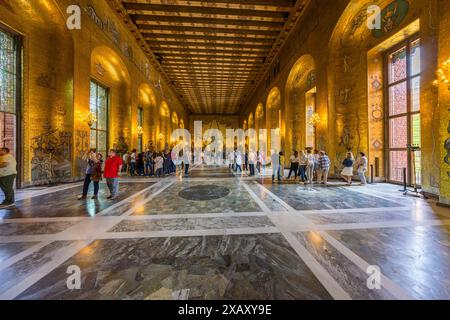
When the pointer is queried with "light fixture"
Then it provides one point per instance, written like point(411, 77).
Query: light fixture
point(443, 75)
point(89, 117)
point(139, 130)
point(161, 136)
point(315, 119)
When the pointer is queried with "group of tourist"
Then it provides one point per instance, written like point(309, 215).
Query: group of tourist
point(308, 165)
point(148, 163)
point(96, 170)
point(249, 161)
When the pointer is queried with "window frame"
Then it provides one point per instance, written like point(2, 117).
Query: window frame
point(18, 48)
point(107, 90)
point(407, 44)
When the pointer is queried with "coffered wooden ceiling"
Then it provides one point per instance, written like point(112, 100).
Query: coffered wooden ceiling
point(213, 53)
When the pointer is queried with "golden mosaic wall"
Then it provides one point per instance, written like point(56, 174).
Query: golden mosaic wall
point(347, 59)
point(57, 68)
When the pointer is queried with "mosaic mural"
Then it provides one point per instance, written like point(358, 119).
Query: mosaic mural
point(51, 161)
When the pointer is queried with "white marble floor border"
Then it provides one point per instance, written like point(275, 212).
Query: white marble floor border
point(388, 284)
point(90, 229)
point(329, 283)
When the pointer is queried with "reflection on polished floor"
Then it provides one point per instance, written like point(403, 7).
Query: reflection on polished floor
point(215, 235)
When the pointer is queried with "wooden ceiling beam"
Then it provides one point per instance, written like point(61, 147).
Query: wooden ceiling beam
point(209, 21)
point(204, 10)
point(280, 4)
point(199, 58)
point(152, 36)
point(212, 62)
point(206, 30)
point(163, 44)
point(162, 51)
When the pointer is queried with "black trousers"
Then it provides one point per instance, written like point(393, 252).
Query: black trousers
point(294, 168)
point(186, 168)
point(87, 182)
point(252, 169)
point(7, 186)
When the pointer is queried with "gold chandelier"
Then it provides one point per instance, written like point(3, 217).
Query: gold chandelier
point(89, 117)
point(443, 74)
point(315, 119)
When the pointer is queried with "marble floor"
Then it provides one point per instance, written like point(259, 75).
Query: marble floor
point(217, 235)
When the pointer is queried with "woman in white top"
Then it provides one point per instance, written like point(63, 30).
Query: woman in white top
point(311, 161)
point(303, 166)
point(294, 164)
point(238, 161)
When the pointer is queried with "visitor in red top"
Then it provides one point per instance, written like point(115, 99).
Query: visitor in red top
point(113, 166)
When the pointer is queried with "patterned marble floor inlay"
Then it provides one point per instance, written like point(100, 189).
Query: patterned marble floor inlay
point(231, 267)
point(319, 198)
point(204, 192)
point(417, 258)
point(170, 202)
point(65, 204)
point(217, 235)
point(10, 229)
point(192, 224)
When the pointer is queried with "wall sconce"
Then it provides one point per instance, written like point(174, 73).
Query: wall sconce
point(443, 74)
point(161, 136)
point(139, 130)
point(89, 117)
point(315, 119)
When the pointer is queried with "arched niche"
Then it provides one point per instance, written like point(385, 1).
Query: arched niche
point(301, 101)
point(110, 86)
point(164, 125)
point(175, 120)
point(356, 77)
point(259, 121)
point(147, 101)
point(251, 121)
point(273, 115)
point(47, 92)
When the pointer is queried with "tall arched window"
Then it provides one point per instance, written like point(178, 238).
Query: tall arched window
point(403, 109)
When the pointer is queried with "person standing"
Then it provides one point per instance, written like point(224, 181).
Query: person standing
point(90, 157)
point(262, 162)
point(310, 165)
point(246, 160)
point(281, 164)
point(8, 173)
point(303, 166)
point(258, 161)
point(133, 157)
point(275, 159)
point(251, 162)
point(238, 161)
point(186, 161)
point(159, 165)
point(316, 164)
point(324, 168)
point(347, 172)
point(140, 164)
point(294, 164)
point(97, 175)
point(362, 166)
point(125, 157)
point(113, 165)
point(149, 163)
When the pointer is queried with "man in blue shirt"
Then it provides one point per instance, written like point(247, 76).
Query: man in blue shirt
point(324, 167)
